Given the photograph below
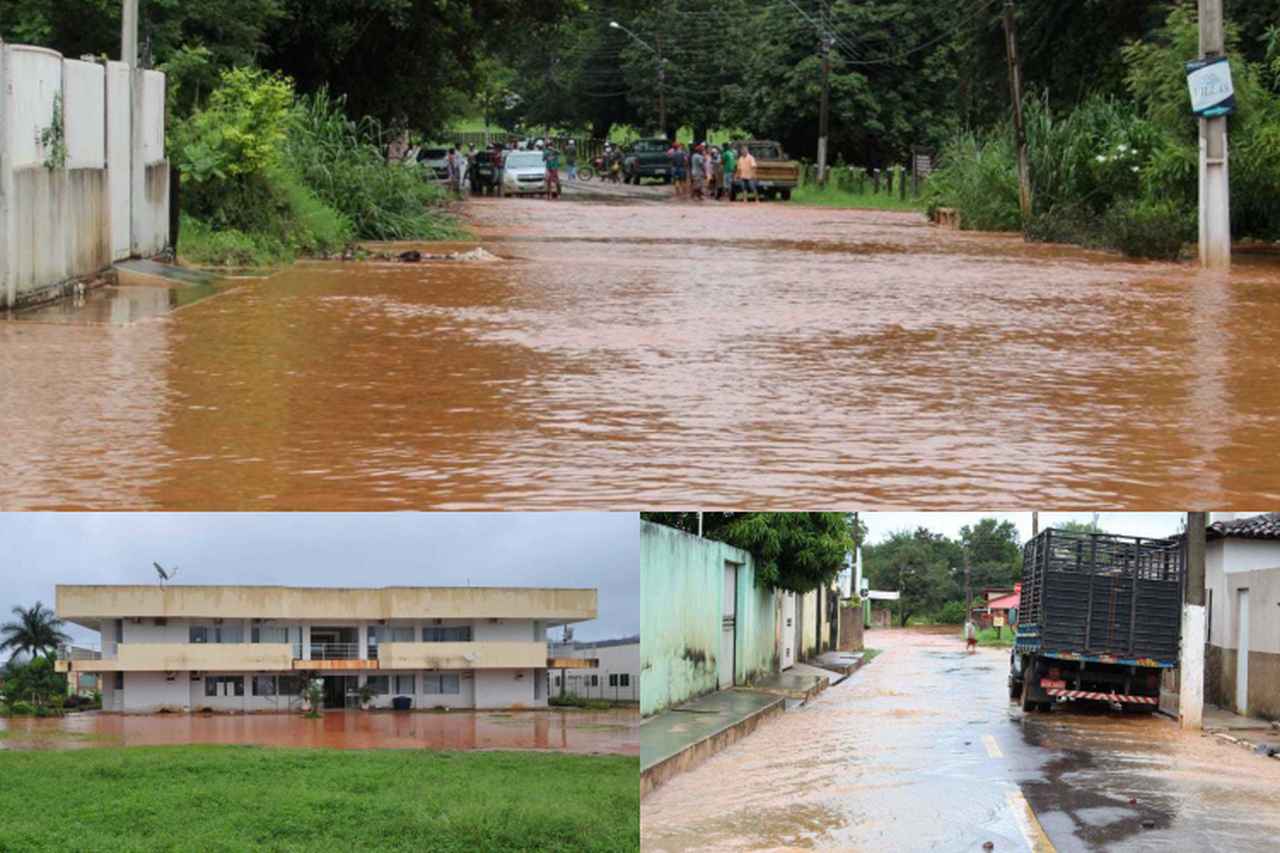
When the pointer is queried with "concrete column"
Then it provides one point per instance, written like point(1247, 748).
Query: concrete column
point(1191, 669)
point(306, 642)
point(362, 640)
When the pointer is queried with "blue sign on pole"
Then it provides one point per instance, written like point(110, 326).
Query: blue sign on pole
point(1212, 94)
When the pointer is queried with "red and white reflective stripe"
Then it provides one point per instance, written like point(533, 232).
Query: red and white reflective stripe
point(1105, 697)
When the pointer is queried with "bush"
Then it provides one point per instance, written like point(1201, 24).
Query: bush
point(1148, 229)
point(951, 613)
point(977, 175)
point(4, 710)
point(22, 709)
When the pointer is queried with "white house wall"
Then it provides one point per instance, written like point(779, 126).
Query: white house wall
point(505, 629)
point(147, 692)
point(506, 688)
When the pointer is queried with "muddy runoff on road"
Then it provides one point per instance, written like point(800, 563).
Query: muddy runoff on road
point(622, 355)
point(921, 750)
point(590, 732)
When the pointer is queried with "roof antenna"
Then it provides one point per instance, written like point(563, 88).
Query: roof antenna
point(165, 574)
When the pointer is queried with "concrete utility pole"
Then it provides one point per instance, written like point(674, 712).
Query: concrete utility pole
point(1035, 524)
point(968, 590)
point(1215, 192)
point(137, 168)
point(129, 34)
point(662, 89)
point(1191, 665)
point(8, 284)
point(824, 109)
point(1015, 93)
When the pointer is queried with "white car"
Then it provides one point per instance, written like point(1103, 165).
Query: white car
point(524, 172)
point(434, 160)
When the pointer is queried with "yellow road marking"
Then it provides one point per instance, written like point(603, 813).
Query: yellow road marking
point(993, 748)
point(1028, 824)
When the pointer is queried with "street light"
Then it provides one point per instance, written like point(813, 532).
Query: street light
point(662, 99)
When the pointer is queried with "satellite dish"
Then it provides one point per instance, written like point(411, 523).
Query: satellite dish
point(165, 574)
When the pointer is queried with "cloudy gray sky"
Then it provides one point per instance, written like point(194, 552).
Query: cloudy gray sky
point(1155, 524)
point(598, 550)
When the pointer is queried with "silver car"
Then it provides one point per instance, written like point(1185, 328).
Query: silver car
point(524, 172)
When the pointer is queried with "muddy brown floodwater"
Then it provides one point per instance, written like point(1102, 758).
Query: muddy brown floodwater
point(604, 732)
point(921, 750)
point(623, 355)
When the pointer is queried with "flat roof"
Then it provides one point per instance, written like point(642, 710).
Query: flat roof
point(90, 604)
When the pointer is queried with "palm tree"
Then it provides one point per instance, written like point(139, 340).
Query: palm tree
point(36, 631)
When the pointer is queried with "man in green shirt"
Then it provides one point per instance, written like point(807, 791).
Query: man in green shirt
point(729, 159)
point(551, 157)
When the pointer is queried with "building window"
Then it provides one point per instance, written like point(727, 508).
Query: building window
point(595, 681)
point(290, 685)
point(433, 683)
point(380, 684)
point(270, 634)
point(402, 635)
point(264, 685)
point(458, 634)
point(199, 634)
point(557, 681)
point(624, 680)
point(119, 681)
point(613, 679)
point(213, 685)
point(404, 685)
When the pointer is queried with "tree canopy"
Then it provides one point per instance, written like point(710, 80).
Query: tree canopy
point(36, 631)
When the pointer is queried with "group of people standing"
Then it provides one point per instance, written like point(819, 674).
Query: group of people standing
point(700, 171)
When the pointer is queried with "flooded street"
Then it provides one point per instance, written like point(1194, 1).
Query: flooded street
point(601, 732)
point(921, 751)
point(623, 355)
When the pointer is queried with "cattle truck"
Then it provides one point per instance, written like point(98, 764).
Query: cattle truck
point(1099, 620)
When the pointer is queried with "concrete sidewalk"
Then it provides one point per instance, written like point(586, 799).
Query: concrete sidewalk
point(1261, 736)
point(681, 738)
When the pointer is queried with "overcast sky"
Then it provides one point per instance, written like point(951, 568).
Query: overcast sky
point(600, 550)
point(1155, 524)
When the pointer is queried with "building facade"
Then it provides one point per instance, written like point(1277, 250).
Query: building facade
point(253, 648)
point(1242, 594)
point(615, 677)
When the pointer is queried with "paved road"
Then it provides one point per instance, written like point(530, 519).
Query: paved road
point(921, 751)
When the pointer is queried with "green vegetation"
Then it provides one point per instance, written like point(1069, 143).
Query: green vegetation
point(798, 551)
point(833, 196)
point(35, 632)
point(868, 655)
point(572, 700)
point(988, 637)
point(239, 798)
point(33, 688)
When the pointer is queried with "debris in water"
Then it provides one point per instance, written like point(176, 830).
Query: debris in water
point(1267, 749)
point(410, 257)
point(1148, 824)
point(413, 256)
point(988, 845)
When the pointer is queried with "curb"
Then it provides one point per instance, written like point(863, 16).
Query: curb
point(1242, 742)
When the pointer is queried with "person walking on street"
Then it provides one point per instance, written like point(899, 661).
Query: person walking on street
point(571, 160)
point(728, 162)
point(970, 637)
point(747, 174)
point(453, 167)
point(677, 167)
point(551, 157)
point(697, 173)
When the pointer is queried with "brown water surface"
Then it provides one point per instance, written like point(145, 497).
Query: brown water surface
point(613, 732)
point(667, 355)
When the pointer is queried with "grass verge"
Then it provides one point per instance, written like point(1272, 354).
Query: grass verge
point(224, 798)
point(987, 637)
point(868, 655)
point(832, 197)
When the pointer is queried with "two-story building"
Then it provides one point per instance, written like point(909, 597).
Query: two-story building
point(253, 648)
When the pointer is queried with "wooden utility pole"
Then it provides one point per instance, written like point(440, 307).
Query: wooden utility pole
point(968, 590)
point(1215, 194)
point(662, 88)
point(1015, 92)
point(1191, 660)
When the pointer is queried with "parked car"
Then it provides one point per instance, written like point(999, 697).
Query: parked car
point(646, 158)
point(524, 172)
point(776, 175)
point(484, 172)
point(1099, 620)
point(435, 160)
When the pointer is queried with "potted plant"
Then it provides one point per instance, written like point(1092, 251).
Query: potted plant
point(366, 696)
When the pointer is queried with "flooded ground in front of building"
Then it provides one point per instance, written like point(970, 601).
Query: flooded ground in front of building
point(614, 732)
point(622, 355)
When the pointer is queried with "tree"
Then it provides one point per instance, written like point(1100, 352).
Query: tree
point(35, 681)
point(796, 551)
point(995, 553)
point(921, 565)
point(37, 631)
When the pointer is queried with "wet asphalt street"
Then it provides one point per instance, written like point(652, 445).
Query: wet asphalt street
point(922, 751)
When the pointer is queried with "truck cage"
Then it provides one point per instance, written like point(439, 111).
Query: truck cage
point(1100, 585)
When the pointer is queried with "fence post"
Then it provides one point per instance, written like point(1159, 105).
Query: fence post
point(902, 183)
point(7, 281)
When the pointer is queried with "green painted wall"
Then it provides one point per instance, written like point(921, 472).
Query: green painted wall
point(681, 587)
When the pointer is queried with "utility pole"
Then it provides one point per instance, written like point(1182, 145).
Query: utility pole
point(1035, 524)
point(968, 590)
point(137, 168)
point(1215, 193)
point(1015, 92)
point(824, 109)
point(129, 34)
point(662, 89)
point(1191, 664)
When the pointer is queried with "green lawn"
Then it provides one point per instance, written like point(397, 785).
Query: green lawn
point(224, 798)
point(987, 637)
point(831, 197)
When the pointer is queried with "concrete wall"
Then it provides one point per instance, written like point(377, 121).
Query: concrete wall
point(681, 608)
point(66, 222)
point(506, 688)
point(477, 655)
point(147, 692)
point(87, 605)
point(1232, 565)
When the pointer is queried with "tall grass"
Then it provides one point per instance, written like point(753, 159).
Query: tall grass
point(342, 162)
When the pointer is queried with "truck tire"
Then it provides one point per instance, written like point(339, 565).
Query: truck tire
point(1015, 690)
point(786, 194)
point(1028, 704)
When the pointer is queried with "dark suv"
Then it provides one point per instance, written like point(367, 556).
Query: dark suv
point(646, 158)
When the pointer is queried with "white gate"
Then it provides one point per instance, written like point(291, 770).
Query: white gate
point(1242, 654)
point(788, 630)
point(728, 626)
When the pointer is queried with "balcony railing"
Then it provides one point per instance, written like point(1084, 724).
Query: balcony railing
point(84, 651)
point(331, 651)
